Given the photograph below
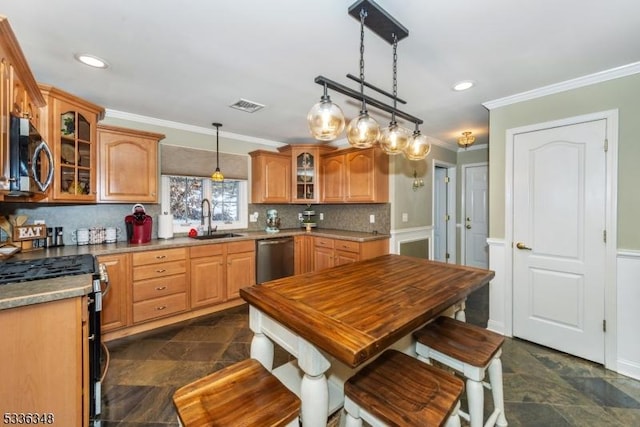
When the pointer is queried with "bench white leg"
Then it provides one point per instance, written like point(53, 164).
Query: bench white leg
point(454, 418)
point(475, 397)
point(314, 394)
point(495, 379)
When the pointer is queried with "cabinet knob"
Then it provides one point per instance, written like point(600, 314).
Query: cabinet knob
point(162, 307)
point(161, 288)
point(162, 270)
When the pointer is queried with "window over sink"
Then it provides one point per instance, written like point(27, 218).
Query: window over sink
point(182, 196)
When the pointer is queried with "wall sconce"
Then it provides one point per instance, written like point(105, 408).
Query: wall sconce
point(417, 182)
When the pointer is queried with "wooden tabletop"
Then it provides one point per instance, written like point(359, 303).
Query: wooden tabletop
point(356, 310)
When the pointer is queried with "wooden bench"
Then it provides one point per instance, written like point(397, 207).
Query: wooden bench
point(472, 351)
point(243, 394)
point(399, 390)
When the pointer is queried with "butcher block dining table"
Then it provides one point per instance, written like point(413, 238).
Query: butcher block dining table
point(335, 320)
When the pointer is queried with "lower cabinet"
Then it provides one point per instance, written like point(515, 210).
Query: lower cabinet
point(116, 301)
point(159, 283)
point(328, 252)
point(218, 271)
point(44, 362)
point(302, 254)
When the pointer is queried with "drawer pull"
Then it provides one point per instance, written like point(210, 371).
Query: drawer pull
point(162, 307)
point(160, 256)
point(161, 288)
point(162, 270)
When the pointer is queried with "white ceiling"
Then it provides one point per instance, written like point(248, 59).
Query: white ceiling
point(187, 61)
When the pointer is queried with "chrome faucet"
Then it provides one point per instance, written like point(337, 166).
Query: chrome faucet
point(208, 215)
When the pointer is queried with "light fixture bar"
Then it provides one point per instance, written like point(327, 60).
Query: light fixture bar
point(379, 21)
point(321, 80)
point(377, 89)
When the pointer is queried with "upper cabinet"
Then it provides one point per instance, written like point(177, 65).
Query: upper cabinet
point(71, 129)
point(355, 176)
point(127, 165)
point(19, 94)
point(305, 171)
point(270, 177)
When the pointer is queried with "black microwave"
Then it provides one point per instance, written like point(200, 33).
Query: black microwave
point(30, 160)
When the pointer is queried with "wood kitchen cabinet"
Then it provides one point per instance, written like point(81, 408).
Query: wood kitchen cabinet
point(305, 170)
point(218, 271)
point(19, 93)
point(159, 283)
point(355, 176)
point(127, 165)
point(302, 256)
point(116, 302)
point(44, 361)
point(270, 177)
point(71, 130)
point(328, 252)
point(207, 266)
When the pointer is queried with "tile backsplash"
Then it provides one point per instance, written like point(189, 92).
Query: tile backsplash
point(352, 217)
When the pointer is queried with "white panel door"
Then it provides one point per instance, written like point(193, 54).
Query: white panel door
point(559, 249)
point(475, 216)
point(440, 214)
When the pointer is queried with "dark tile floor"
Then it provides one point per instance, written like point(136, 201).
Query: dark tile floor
point(542, 387)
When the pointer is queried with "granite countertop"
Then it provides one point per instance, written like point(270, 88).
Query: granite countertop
point(37, 291)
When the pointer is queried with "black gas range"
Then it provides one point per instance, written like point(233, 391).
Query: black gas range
point(26, 270)
point(12, 271)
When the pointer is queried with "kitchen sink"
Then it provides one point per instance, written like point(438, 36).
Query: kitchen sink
point(217, 236)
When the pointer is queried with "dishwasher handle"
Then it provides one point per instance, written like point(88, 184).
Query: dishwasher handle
point(274, 241)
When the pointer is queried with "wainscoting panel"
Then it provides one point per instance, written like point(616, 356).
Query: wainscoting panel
point(628, 313)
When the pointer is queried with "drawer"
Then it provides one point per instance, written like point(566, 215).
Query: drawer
point(347, 245)
point(159, 307)
point(154, 288)
point(206, 250)
point(164, 255)
point(243, 246)
point(159, 270)
point(323, 242)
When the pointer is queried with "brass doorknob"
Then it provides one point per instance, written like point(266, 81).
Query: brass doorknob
point(522, 246)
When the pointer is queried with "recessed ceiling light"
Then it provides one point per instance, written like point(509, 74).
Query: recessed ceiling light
point(91, 60)
point(464, 85)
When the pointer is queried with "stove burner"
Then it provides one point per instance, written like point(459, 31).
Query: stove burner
point(45, 268)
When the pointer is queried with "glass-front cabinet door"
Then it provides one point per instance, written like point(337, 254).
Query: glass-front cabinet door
point(73, 136)
point(76, 158)
point(305, 159)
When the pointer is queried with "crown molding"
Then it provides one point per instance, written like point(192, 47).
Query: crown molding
point(115, 114)
point(602, 76)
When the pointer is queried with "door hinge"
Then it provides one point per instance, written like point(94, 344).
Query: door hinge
point(447, 256)
point(604, 325)
point(447, 179)
point(606, 145)
point(447, 217)
point(604, 235)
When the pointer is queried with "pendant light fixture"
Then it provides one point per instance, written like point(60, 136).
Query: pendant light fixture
point(326, 120)
point(363, 131)
point(217, 175)
point(418, 147)
point(394, 138)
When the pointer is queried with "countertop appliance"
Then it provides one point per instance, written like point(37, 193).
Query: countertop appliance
point(31, 164)
point(274, 258)
point(273, 221)
point(13, 271)
point(138, 225)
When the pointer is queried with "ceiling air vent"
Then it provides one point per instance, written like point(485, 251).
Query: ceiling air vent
point(246, 105)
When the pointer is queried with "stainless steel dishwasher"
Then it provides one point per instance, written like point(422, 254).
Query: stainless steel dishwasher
point(274, 258)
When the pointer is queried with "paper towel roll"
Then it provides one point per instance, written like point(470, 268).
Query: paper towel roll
point(165, 226)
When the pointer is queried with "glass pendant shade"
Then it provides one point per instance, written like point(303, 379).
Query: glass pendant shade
point(394, 139)
point(217, 176)
point(363, 131)
point(326, 120)
point(418, 147)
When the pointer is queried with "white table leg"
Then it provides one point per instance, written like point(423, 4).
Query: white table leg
point(262, 350)
point(314, 394)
